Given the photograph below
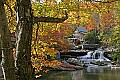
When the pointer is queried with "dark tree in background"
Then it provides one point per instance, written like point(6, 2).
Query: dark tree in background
point(92, 37)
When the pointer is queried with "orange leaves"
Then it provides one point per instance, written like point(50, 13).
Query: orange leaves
point(89, 27)
point(43, 56)
point(107, 19)
point(39, 64)
point(50, 38)
point(45, 71)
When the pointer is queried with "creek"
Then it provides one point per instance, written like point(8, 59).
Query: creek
point(98, 67)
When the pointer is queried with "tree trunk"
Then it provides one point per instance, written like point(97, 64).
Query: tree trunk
point(6, 49)
point(24, 39)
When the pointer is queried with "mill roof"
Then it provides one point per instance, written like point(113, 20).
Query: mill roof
point(82, 29)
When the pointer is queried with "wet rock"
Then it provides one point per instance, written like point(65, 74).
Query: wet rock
point(99, 63)
point(68, 67)
point(75, 62)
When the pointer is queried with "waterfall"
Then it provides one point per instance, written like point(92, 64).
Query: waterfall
point(94, 56)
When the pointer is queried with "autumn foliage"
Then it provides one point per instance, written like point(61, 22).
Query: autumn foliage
point(48, 38)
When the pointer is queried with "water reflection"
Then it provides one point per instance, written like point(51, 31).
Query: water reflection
point(88, 74)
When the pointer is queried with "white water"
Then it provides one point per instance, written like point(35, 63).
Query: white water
point(94, 56)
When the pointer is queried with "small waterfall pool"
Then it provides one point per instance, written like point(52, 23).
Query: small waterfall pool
point(86, 74)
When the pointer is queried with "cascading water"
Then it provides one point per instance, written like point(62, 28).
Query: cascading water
point(94, 57)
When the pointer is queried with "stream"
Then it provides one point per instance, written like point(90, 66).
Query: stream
point(98, 68)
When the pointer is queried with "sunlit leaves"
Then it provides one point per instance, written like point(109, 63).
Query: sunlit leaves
point(47, 10)
point(43, 56)
point(11, 15)
point(51, 37)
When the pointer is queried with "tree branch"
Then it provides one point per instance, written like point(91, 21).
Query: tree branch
point(51, 19)
point(107, 1)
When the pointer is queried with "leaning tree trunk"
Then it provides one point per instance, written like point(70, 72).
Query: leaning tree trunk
point(24, 39)
point(6, 49)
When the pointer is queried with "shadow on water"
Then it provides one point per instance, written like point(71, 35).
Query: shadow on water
point(86, 74)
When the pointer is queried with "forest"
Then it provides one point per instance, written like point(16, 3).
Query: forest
point(33, 31)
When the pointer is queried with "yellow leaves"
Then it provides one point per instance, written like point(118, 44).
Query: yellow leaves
point(52, 64)
point(37, 76)
point(52, 43)
point(38, 63)
point(10, 13)
point(43, 56)
point(51, 36)
point(35, 65)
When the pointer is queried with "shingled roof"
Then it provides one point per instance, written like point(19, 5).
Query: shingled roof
point(82, 29)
